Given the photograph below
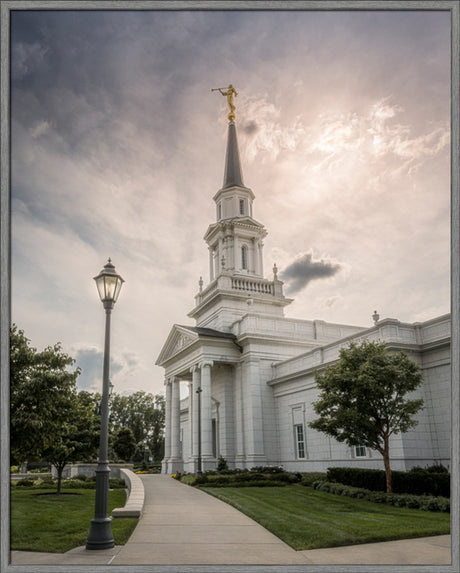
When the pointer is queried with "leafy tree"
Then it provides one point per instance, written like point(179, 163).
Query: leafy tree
point(362, 398)
point(43, 391)
point(78, 439)
point(124, 444)
point(144, 414)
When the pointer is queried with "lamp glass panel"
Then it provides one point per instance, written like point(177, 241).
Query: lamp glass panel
point(100, 283)
point(110, 287)
point(117, 289)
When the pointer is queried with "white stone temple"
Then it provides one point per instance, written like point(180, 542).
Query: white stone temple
point(254, 369)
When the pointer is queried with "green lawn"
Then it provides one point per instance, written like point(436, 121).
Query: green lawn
point(309, 519)
point(56, 524)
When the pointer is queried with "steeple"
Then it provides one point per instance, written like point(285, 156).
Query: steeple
point(235, 242)
point(233, 176)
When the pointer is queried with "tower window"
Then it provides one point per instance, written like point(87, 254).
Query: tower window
point(241, 206)
point(219, 211)
point(244, 257)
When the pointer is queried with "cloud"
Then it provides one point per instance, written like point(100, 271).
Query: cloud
point(327, 302)
point(304, 269)
point(90, 359)
point(268, 132)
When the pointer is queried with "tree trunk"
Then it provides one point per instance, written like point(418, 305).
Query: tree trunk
point(386, 462)
point(60, 470)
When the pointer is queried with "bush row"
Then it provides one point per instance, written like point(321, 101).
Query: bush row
point(308, 478)
point(250, 483)
point(75, 483)
point(241, 479)
point(423, 502)
point(253, 470)
point(418, 481)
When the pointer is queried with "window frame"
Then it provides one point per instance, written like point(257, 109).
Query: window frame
point(361, 448)
point(300, 444)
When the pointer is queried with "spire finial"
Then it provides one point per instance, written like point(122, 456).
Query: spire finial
point(229, 93)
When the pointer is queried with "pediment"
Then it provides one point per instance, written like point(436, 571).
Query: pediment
point(179, 338)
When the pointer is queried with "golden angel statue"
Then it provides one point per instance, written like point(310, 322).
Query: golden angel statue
point(229, 93)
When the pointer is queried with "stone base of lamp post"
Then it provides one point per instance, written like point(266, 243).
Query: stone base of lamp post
point(100, 533)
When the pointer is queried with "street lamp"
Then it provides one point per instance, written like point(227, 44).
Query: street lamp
point(100, 536)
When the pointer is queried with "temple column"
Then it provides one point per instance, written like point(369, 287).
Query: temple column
point(239, 423)
point(196, 381)
point(165, 463)
point(206, 414)
point(191, 419)
point(253, 418)
point(175, 424)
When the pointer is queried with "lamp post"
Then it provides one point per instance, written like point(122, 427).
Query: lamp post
point(100, 536)
point(199, 469)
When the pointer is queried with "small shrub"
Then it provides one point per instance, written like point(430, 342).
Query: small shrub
point(14, 469)
point(222, 464)
point(77, 484)
point(308, 478)
point(117, 483)
point(25, 482)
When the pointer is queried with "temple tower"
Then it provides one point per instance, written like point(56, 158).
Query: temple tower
point(235, 244)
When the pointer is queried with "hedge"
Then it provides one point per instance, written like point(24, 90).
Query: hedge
point(418, 481)
point(241, 479)
point(422, 502)
point(75, 483)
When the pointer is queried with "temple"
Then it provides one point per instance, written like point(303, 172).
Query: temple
point(250, 371)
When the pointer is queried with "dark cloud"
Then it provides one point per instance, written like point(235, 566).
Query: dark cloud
point(91, 360)
point(250, 127)
point(304, 269)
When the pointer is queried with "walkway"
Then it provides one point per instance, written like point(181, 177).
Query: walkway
point(182, 525)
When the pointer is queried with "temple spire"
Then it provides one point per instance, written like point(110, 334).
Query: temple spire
point(233, 175)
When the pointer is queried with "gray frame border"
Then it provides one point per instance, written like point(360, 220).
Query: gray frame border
point(5, 264)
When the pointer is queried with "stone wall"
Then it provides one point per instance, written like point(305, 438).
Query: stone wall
point(89, 470)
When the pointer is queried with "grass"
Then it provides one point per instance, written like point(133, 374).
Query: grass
point(57, 523)
point(308, 519)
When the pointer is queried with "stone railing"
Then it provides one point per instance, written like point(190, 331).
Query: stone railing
point(260, 286)
point(252, 285)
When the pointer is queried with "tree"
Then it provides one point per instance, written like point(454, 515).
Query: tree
point(363, 401)
point(78, 439)
point(144, 414)
point(124, 444)
point(43, 390)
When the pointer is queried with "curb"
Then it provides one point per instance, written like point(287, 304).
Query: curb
point(136, 496)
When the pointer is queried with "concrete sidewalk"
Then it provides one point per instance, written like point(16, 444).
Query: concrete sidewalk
point(182, 525)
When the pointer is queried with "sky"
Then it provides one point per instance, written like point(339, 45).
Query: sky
point(118, 146)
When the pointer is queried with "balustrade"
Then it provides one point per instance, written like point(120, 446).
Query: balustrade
point(253, 285)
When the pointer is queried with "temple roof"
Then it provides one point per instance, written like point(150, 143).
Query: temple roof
point(201, 331)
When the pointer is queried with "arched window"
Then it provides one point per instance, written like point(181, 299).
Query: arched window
point(244, 257)
point(241, 206)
